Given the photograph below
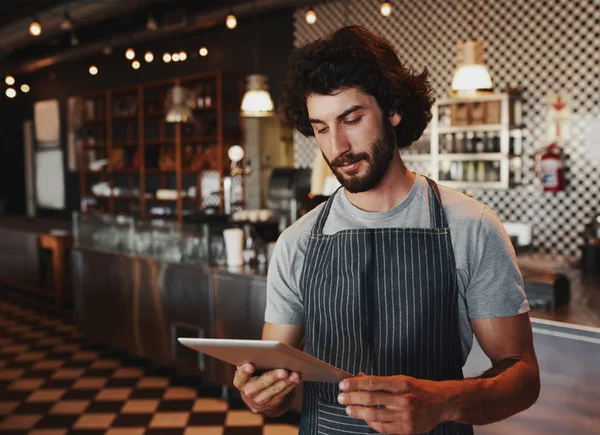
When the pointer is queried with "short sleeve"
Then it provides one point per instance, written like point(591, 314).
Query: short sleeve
point(284, 301)
point(495, 287)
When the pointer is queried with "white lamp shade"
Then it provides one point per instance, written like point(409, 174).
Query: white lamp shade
point(257, 101)
point(471, 78)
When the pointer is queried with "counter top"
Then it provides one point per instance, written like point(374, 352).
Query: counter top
point(35, 225)
point(583, 308)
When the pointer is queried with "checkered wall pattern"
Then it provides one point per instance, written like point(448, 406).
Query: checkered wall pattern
point(540, 46)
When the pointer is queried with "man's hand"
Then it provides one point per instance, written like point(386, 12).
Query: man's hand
point(412, 406)
point(264, 393)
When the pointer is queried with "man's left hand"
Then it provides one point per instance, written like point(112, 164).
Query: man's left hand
point(412, 406)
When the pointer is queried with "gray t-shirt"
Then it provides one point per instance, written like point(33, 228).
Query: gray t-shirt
point(489, 281)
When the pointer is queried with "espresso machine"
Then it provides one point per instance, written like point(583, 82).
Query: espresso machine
point(288, 194)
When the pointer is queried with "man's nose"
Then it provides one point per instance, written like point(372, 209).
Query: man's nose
point(339, 142)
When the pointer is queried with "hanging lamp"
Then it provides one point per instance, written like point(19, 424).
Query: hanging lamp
point(257, 101)
point(471, 76)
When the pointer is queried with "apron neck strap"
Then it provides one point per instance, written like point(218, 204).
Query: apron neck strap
point(320, 223)
point(436, 211)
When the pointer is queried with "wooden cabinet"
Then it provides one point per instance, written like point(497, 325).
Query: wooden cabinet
point(133, 162)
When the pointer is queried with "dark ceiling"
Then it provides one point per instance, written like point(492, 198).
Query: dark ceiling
point(14, 10)
point(92, 30)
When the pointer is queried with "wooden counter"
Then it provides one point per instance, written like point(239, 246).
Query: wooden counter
point(583, 308)
point(21, 240)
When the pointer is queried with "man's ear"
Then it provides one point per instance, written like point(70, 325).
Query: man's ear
point(395, 118)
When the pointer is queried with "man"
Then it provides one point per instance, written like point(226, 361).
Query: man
point(392, 276)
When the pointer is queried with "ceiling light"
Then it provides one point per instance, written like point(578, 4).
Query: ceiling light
point(231, 21)
point(182, 56)
point(135, 64)
point(74, 39)
point(203, 51)
point(107, 50)
point(175, 57)
point(9, 80)
point(177, 105)
point(35, 28)
point(148, 57)
point(471, 74)
point(257, 101)
point(310, 16)
point(166, 58)
point(93, 70)
point(151, 24)
point(130, 54)
point(25, 88)
point(66, 23)
point(385, 9)
point(11, 93)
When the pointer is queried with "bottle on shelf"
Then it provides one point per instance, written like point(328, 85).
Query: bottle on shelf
point(479, 144)
point(459, 144)
point(444, 119)
point(469, 145)
point(208, 99)
point(481, 177)
point(445, 170)
point(200, 96)
point(494, 172)
point(470, 171)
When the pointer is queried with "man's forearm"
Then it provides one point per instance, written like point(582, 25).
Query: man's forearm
point(509, 387)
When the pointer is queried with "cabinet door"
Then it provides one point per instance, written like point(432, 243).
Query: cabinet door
point(239, 313)
point(186, 297)
point(102, 288)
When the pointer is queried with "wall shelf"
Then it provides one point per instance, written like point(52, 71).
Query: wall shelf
point(130, 129)
point(497, 143)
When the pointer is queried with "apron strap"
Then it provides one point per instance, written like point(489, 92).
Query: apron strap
point(320, 223)
point(436, 210)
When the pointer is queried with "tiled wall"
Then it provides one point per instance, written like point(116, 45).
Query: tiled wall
point(540, 46)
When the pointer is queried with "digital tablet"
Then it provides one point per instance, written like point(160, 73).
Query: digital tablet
point(267, 355)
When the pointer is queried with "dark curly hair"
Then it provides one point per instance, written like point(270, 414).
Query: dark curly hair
point(353, 56)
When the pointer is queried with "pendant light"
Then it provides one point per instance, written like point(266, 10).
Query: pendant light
point(177, 105)
point(257, 101)
point(471, 76)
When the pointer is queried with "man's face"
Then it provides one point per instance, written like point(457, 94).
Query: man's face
point(356, 140)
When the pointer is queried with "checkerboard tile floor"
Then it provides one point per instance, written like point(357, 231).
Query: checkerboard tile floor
point(53, 383)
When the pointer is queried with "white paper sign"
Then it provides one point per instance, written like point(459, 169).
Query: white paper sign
point(47, 123)
point(592, 140)
point(560, 109)
point(49, 179)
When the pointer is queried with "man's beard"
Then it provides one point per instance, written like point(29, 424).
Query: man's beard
point(378, 161)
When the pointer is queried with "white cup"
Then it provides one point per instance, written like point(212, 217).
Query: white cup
point(234, 246)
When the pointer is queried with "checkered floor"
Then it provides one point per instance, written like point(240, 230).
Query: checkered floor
point(52, 382)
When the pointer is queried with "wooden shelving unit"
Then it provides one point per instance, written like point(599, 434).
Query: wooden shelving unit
point(144, 153)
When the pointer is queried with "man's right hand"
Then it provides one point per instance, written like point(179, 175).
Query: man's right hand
point(267, 392)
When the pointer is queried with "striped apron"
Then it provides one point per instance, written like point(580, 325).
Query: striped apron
point(383, 302)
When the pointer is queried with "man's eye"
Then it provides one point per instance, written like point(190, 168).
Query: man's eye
point(353, 121)
point(323, 130)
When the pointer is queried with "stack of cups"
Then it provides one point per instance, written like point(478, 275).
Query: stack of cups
point(234, 245)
